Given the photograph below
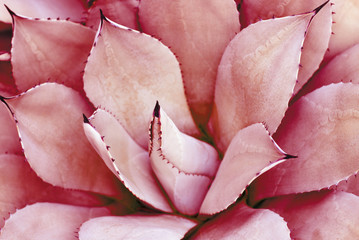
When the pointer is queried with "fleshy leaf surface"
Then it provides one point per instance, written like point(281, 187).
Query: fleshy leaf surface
point(183, 165)
point(251, 152)
point(127, 72)
point(342, 68)
point(243, 222)
point(197, 32)
point(135, 227)
point(49, 122)
point(322, 129)
point(256, 76)
point(317, 39)
point(323, 215)
point(20, 186)
point(125, 158)
point(49, 51)
point(43, 221)
point(124, 12)
point(9, 138)
point(73, 10)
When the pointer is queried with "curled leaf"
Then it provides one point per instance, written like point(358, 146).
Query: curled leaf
point(125, 158)
point(184, 165)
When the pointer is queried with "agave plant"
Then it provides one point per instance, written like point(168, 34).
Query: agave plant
point(143, 119)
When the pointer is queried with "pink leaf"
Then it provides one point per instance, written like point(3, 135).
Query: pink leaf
point(184, 165)
point(251, 152)
point(123, 12)
point(7, 83)
point(243, 222)
point(49, 51)
point(135, 227)
point(317, 39)
point(43, 221)
point(50, 125)
point(323, 215)
point(342, 68)
point(197, 32)
point(322, 129)
point(125, 158)
point(257, 75)
point(64, 9)
point(20, 186)
point(9, 138)
point(127, 72)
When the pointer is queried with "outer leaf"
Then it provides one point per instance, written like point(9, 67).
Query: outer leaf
point(342, 68)
point(322, 129)
point(184, 165)
point(351, 185)
point(251, 152)
point(52, 51)
point(43, 221)
point(243, 222)
point(322, 215)
point(123, 12)
point(317, 39)
point(20, 186)
point(65, 9)
point(125, 158)
point(127, 72)
point(257, 75)
point(135, 227)
point(9, 138)
point(197, 32)
point(50, 125)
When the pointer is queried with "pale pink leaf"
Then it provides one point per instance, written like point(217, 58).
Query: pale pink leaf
point(322, 215)
point(73, 10)
point(49, 51)
point(351, 185)
point(151, 227)
point(197, 32)
point(322, 129)
point(251, 152)
point(243, 222)
point(343, 68)
point(125, 158)
point(123, 12)
point(49, 121)
point(257, 75)
point(183, 165)
point(318, 35)
point(127, 72)
point(44, 221)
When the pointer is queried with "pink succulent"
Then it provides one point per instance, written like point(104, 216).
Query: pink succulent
point(198, 122)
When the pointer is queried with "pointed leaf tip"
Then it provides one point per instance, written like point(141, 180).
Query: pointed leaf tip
point(288, 156)
point(10, 11)
point(86, 120)
point(320, 7)
point(156, 111)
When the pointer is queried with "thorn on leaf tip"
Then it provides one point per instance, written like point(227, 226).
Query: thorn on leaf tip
point(86, 120)
point(320, 7)
point(156, 111)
